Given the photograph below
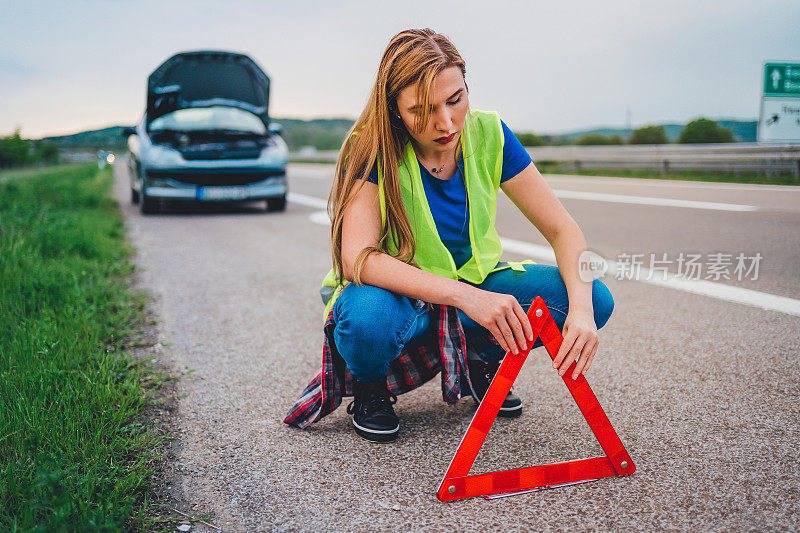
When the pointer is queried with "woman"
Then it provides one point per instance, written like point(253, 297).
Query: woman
point(420, 229)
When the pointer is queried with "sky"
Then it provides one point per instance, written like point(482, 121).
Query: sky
point(546, 67)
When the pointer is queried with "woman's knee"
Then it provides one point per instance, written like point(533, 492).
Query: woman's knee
point(370, 318)
point(602, 302)
point(546, 281)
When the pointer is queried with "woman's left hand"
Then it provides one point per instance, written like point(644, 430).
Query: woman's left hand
point(580, 342)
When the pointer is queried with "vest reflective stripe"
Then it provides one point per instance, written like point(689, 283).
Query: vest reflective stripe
point(482, 151)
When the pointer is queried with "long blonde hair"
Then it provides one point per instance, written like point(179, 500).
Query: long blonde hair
point(412, 57)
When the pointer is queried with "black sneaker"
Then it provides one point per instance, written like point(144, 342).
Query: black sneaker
point(373, 414)
point(481, 375)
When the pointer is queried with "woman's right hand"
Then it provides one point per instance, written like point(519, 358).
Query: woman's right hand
point(500, 313)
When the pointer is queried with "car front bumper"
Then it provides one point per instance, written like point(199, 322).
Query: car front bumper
point(272, 187)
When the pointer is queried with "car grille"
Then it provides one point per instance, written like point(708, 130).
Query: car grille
point(215, 177)
point(226, 153)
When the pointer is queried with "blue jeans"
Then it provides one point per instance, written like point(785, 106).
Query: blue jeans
point(373, 324)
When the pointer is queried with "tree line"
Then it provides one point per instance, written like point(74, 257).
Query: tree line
point(18, 152)
point(698, 131)
point(327, 134)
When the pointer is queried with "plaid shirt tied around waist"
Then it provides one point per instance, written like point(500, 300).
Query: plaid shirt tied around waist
point(419, 361)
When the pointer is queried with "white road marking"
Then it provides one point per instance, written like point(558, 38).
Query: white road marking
point(676, 183)
point(534, 251)
point(650, 200)
point(720, 291)
point(730, 293)
point(310, 201)
point(320, 217)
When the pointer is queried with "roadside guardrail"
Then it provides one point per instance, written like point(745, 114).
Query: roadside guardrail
point(733, 157)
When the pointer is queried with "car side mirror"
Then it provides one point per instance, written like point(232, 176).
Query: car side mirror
point(127, 131)
point(275, 128)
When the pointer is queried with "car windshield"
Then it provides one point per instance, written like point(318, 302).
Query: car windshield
point(210, 118)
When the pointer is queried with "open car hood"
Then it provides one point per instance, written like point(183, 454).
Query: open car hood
point(205, 78)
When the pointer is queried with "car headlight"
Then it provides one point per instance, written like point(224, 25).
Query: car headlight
point(162, 156)
point(273, 156)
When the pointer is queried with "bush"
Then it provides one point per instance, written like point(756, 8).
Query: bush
point(591, 139)
point(703, 130)
point(530, 139)
point(14, 150)
point(45, 151)
point(649, 135)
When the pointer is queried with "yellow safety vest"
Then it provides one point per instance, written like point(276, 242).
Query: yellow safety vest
point(483, 163)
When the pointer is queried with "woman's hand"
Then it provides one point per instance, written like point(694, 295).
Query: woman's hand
point(499, 313)
point(580, 337)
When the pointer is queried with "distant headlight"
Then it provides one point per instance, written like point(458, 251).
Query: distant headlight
point(161, 156)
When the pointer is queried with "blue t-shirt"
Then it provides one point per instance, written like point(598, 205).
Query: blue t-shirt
point(448, 198)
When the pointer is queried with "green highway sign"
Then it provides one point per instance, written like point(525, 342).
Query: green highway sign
point(779, 119)
point(782, 79)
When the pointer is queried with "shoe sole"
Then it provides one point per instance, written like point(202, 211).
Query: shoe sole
point(376, 435)
point(510, 412)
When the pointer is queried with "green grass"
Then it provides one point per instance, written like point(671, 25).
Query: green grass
point(777, 178)
point(75, 454)
point(27, 172)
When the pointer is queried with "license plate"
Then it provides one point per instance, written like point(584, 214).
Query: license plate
point(222, 193)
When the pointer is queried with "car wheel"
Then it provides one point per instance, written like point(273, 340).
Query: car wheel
point(276, 204)
point(148, 205)
point(134, 196)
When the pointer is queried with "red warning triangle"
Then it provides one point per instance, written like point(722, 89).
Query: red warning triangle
point(458, 484)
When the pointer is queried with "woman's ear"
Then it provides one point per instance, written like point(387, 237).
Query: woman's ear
point(395, 119)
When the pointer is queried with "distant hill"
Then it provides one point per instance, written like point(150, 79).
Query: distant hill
point(743, 131)
point(109, 138)
point(328, 134)
point(322, 133)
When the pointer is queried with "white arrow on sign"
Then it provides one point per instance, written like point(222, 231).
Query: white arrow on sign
point(776, 77)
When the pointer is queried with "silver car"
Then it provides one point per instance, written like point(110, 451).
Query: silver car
point(206, 135)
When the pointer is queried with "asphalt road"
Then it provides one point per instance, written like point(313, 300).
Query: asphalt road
point(703, 391)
